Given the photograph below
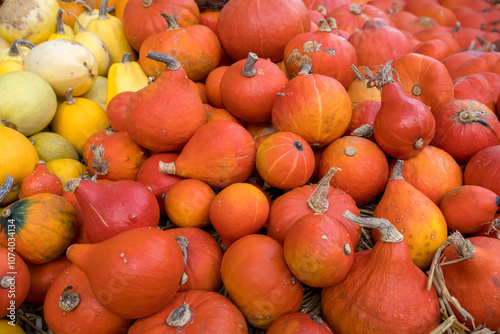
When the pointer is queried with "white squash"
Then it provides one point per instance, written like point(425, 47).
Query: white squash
point(63, 64)
point(34, 20)
point(27, 102)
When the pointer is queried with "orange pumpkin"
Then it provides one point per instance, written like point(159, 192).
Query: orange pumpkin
point(298, 322)
point(352, 17)
point(43, 226)
point(212, 83)
point(42, 276)
point(14, 281)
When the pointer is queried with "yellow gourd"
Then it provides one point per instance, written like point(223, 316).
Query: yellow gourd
point(64, 64)
point(84, 18)
point(12, 58)
point(51, 146)
point(77, 119)
point(110, 29)
point(7, 327)
point(63, 30)
point(66, 169)
point(124, 76)
point(7, 66)
point(34, 20)
point(97, 46)
point(98, 92)
point(18, 158)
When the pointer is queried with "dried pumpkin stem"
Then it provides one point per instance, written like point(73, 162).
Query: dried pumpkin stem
point(324, 26)
point(318, 202)
point(355, 9)
point(171, 22)
point(350, 151)
point(6, 186)
point(463, 246)
point(72, 184)
point(444, 326)
point(418, 144)
point(332, 23)
point(59, 22)
point(306, 69)
point(127, 56)
point(183, 243)
point(14, 47)
point(167, 167)
point(88, 10)
point(147, 3)
point(5, 282)
point(397, 170)
point(389, 233)
point(69, 299)
point(171, 63)
point(103, 12)
point(383, 77)
point(495, 225)
point(322, 10)
point(365, 130)
point(180, 316)
point(69, 97)
point(99, 165)
point(249, 68)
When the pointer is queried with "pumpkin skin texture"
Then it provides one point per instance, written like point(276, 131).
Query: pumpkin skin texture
point(329, 54)
point(299, 323)
point(219, 153)
point(12, 293)
point(51, 146)
point(18, 158)
point(89, 316)
point(115, 111)
point(194, 312)
point(285, 160)
point(352, 306)
point(425, 79)
point(466, 218)
point(188, 202)
point(403, 126)
point(42, 276)
point(238, 210)
point(132, 206)
point(432, 171)
point(44, 226)
point(196, 47)
point(464, 127)
point(478, 274)
point(264, 26)
point(417, 218)
point(318, 250)
point(160, 183)
point(248, 88)
point(313, 106)
point(363, 169)
point(144, 265)
point(481, 87)
point(254, 272)
point(165, 122)
point(142, 18)
point(203, 259)
point(212, 83)
point(483, 169)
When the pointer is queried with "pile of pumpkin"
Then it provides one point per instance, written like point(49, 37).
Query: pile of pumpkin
point(173, 166)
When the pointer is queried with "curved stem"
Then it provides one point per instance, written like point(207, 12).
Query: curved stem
point(464, 247)
point(397, 170)
point(383, 77)
point(365, 130)
point(318, 202)
point(72, 184)
point(249, 68)
point(6, 187)
point(99, 165)
point(171, 22)
point(171, 63)
point(322, 10)
point(69, 96)
point(103, 12)
point(59, 22)
point(85, 5)
point(82, 28)
point(14, 47)
point(324, 26)
point(389, 232)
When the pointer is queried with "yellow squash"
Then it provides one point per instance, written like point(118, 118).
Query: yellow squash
point(63, 30)
point(124, 76)
point(66, 169)
point(97, 46)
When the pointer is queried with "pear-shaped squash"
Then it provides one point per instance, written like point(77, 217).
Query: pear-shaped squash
point(133, 274)
point(112, 208)
point(219, 152)
point(165, 114)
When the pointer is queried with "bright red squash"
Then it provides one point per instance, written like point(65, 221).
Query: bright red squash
point(219, 153)
point(414, 215)
point(473, 280)
point(285, 160)
point(203, 259)
point(42, 225)
point(461, 216)
point(238, 210)
point(482, 87)
point(362, 166)
point(328, 53)
point(112, 208)
point(115, 110)
point(145, 117)
point(141, 18)
point(70, 305)
point(143, 265)
point(464, 127)
point(192, 312)
point(42, 276)
point(356, 306)
point(40, 180)
point(363, 117)
point(14, 282)
point(352, 17)
point(254, 271)
point(483, 169)
point(299, 323)
point(404, 126)
point(313, 106)
point(262, 27)
point(249, 86)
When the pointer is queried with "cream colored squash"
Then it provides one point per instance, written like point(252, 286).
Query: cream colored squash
point(98, 92)
point(95, 44)
point(63, 64)
point(34, 20)
point(27, 102)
